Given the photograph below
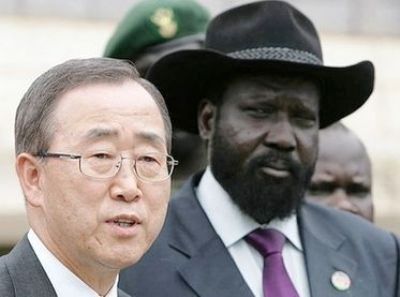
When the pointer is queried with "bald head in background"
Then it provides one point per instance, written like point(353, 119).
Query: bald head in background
point(342, 177)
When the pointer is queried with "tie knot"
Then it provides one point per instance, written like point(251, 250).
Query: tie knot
point(266, 241)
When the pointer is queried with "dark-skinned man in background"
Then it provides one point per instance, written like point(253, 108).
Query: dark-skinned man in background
point(343, 172)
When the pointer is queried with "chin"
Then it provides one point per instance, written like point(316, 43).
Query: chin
point(122, 258)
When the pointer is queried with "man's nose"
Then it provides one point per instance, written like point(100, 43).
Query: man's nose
point(280, 134)
point(342, 201)
point(125, 185)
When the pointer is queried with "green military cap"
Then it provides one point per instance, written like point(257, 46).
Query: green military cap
point(152, 22)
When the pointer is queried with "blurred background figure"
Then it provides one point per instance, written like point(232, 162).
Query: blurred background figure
point(343, 173)
point(150, 30)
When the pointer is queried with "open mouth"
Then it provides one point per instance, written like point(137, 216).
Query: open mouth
point(124, 221)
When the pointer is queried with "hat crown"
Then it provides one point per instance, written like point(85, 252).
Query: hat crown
point(265, 24)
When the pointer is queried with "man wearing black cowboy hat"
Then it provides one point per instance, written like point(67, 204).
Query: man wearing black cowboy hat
point(258, 93)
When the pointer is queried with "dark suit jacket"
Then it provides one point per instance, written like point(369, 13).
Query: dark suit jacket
point(22, 275)
point(190, 260)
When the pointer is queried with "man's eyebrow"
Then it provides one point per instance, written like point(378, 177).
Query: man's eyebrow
point(301, 106)
point(145, 136)
point(97, 133)
point(151, 138)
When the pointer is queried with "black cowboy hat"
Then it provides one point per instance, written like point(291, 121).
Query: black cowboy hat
point(260, 37)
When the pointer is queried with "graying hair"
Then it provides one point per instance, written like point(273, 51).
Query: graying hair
point(34, 124)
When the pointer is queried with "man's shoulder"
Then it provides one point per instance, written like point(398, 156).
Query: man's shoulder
point(182, 200)
point(6, 284)
point(334, 239)
point(328, 220)
point(25, 272)
point(3, 264)
point(8, 265)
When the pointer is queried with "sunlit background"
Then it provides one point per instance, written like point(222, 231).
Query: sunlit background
point(37, 34)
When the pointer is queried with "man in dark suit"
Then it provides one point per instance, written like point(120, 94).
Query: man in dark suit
point(258, 94)
point(92, 141)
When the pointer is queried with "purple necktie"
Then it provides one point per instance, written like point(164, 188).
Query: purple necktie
point(276, 281)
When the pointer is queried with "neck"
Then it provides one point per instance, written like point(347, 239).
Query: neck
point(100, 278)
point(100, 283)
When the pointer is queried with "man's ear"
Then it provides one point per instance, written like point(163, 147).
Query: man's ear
point(207, 113)
point(29, 171)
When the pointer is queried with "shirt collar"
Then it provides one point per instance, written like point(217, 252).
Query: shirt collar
point(64, 281)
point(233, 224)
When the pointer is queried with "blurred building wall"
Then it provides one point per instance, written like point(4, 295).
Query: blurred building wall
point(37, 34)
point(340, 16)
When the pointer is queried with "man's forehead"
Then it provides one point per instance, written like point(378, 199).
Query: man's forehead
point(305, 90)
point(331, 140)
point(104, 137)
point(344, 149)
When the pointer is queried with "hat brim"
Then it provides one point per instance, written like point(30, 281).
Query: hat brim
point(183, 78)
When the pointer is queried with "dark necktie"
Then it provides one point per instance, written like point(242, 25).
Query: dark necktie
point(276, 281)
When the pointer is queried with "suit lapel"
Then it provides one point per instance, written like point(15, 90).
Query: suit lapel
point(26, 272)
point(212, 272)
point(28, 275)
point(123, 294)
point(209, 269)
point(325, 254)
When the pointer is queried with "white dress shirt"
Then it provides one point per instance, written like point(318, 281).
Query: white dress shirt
point(64, 281)
point(232, 225)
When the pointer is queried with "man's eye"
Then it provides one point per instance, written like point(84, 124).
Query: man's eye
point(321, 189)
point(306, 122)
point(102, 156)
point(259, 111)
point(148, 159)
point(358, 190)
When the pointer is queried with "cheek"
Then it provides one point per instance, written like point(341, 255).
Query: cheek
point(238, 137)
point(72, 204)
point(308, 146)
point(363, 202)
point(156, 198)
point(243, 129)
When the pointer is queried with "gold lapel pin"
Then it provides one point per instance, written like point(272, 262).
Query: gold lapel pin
point(341, 280)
